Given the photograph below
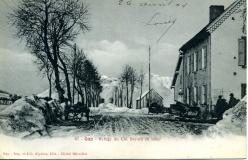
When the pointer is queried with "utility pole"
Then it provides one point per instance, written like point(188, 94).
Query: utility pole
point(149, 83)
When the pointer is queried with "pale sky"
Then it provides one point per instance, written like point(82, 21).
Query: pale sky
point(119, 36)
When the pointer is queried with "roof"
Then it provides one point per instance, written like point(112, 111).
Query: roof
point(211, 26)
point(177, 70)
point(205, 32)
point(146, 92)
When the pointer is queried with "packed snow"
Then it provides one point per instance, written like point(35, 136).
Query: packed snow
point(233, 122)
point(21, 119)
point(27, 116)
point(108, 108)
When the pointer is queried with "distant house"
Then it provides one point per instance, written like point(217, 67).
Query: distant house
point(213, 62)
point(155, 97)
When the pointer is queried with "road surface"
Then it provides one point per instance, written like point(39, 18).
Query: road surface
point(118, 124)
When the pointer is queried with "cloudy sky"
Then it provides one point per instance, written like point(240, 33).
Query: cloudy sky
point(120, 35)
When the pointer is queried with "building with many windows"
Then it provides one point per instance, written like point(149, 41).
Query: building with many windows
point(213, 62)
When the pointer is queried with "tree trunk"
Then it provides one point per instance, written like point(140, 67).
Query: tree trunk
point(131, 98)
point(66, 76)
point(57, 84)
point(121, 94)
point(127, 94)
point(49, 77)
point(50, 88)
point(68, 85)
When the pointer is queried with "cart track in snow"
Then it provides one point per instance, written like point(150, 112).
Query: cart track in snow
point(125, 124)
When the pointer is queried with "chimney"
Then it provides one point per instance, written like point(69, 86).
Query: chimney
point(215, 11)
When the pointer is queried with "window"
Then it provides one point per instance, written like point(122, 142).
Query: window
point(195, 61)
point(195, 94)
point(187, 94)
point(181, 79)
point(199, 95)
point(204, 94)
point(242, 52)
point(199, 61)
point(192, 62)
point(188, 64)
point(204, 57)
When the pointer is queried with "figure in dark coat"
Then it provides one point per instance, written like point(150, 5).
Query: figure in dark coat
point(233, 101)
point(221, 105)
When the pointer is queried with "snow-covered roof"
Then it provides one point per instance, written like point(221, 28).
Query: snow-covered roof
point(146, 92)
point(143, 95)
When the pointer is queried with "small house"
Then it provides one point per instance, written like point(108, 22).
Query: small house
point(142, 102)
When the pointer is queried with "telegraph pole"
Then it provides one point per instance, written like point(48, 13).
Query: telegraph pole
point(149, 83)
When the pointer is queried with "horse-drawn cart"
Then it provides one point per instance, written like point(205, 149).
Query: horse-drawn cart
point(76, 112)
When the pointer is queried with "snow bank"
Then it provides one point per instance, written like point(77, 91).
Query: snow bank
point(234, 121)
point(46, 94)
point(27, 116)
point(111, 108)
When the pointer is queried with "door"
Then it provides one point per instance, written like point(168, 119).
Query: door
point(243, 90)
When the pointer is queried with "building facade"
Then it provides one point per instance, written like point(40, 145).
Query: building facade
point(213, 62)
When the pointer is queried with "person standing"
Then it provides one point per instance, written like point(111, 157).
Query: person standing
point(232, 101)
point(221, 105)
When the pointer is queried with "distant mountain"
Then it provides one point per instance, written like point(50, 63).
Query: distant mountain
point(161, 84)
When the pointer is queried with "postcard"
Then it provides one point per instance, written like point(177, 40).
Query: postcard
point(123, 79)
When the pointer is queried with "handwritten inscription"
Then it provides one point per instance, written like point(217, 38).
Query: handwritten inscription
point(162, 3)
point(155, 20)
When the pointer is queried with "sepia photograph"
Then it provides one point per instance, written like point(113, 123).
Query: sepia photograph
point(123, 79)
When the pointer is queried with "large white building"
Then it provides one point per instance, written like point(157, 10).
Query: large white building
point(213, 62)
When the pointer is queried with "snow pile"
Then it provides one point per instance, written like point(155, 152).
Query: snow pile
point(27, 116)
point(54, 94)
point(111, 108)
point(234, 121)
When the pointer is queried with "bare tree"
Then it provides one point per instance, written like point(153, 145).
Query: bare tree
point(129, 77)
point(49, 25)
point(46, 69)
point(133, 79)
point(125, 77)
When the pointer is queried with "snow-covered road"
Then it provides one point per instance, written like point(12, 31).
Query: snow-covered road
point(118, 124)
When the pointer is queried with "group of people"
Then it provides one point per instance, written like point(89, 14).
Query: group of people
point(222, 105)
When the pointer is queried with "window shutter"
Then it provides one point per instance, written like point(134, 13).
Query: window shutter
point(199, 61)
point(189, 60)
point(195, 61)
point(242, 54)
point(205, 57)
point(185, 64)
point(195, 94)
point(188, 64)
point(206, 93)
point(199, 94)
